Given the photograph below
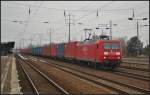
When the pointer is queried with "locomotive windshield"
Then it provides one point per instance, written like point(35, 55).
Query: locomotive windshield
point(111, 46)
point(107, 45)
point(115, 46)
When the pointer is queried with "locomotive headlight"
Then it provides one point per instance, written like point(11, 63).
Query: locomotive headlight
point(118, 57)
point(117, 53)
point(105, 53)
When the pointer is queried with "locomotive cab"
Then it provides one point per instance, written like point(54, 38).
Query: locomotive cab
point(112, 53)
point(109, 52)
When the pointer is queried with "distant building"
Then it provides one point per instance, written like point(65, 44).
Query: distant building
point(6, 48)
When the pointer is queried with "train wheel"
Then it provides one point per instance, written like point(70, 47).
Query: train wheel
point(95, 65)
point(88, 63)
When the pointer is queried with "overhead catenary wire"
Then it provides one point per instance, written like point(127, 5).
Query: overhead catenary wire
point(27, 5)
point(84, 6)
point(118, 20)
point(79, 9)
point(114, 20)
point(88, 20)
point(61, 9)
point(26, 23)
point(22, 20)
point(105, 5)
point(102, 7)
point(29, 18)
point(106, 11)
point(101, 10)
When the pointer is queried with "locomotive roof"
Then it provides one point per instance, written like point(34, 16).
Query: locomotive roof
point(99, 41)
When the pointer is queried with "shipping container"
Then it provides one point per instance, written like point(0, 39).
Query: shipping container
point(35, 50)
point(53, 48)
point(40, 51)
point(44, 50)
point(32, 51)
point(48, 50)
point(60, 50)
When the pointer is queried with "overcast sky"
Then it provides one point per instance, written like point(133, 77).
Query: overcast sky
point(84, 12)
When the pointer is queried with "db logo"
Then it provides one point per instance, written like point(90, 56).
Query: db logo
point(84, 49)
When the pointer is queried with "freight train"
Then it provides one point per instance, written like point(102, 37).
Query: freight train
point(100, 52)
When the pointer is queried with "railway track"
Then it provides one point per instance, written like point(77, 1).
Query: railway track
point(137, 63)
point(136, 58)
point(134, 68)
point(73, 84)
point(141, 75)
point(40, 83)
point(139, 66)
point(26, 86)
point(132, 73)
point(117, 86)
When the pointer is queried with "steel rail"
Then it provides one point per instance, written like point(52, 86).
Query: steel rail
point(120, 91)
point(137, 63)
point(127, 74)
point(47, 78)
point(121, 70)
point(28, 77)
point(135, 68)
point(123, 84)
point(98, 83)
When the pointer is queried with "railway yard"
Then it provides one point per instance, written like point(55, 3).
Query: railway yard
point(41, 75)
point(75, 47)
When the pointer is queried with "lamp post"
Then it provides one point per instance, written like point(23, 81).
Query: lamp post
point(80, 23)
point(137, 24)
point(49, 35)
point(50, 30)
point(20, 22)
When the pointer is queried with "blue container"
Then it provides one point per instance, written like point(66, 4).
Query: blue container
point(33, 51)
point(39, 50)
point(60, 50)
point(36, 51)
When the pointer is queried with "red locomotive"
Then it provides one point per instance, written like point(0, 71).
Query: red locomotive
point(102, 52)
